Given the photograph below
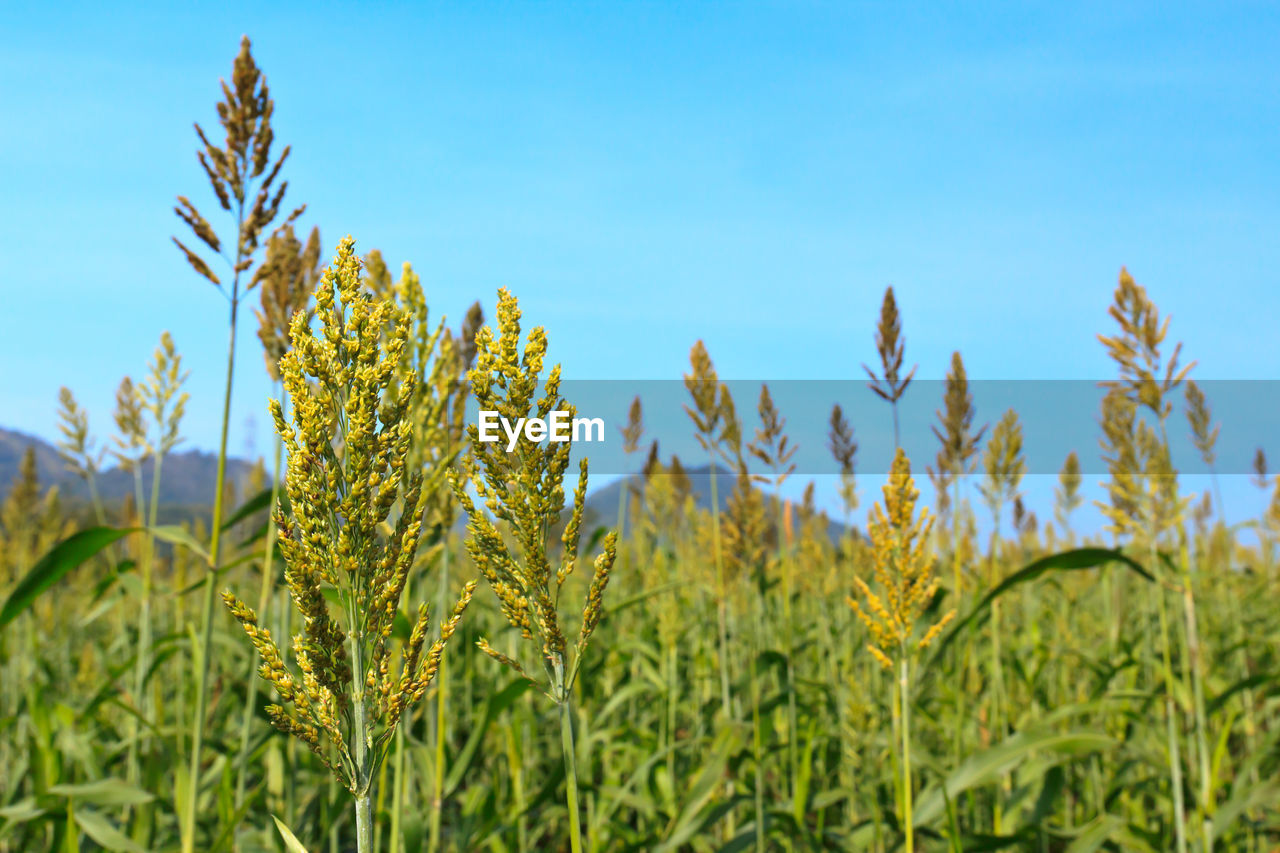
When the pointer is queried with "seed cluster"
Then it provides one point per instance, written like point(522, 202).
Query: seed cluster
point(903, 569)
point(524, 492)
point(347, 445)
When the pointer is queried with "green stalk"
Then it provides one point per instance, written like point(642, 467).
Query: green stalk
point(722, 619)
point(145, 633)
point(997, 690)
point(955, 539)
point(1171, 730)
point(570, 765)
point(144, 627)
point(904, 697)
point(206, 636)
point(215, 556)
point(789, 621)
point(757, 736)
point(673, 695)
point(361, 736)
point(1197, 694)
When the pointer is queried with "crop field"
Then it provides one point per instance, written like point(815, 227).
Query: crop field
point(394, 634)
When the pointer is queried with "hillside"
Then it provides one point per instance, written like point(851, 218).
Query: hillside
point(187, 477)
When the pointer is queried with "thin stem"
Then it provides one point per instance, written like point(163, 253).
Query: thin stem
point(1171, 729)
point(364, 823)
point(570, 774)
point(904, 697)
point(215, 558)
point(722, 619)
point(206, 637)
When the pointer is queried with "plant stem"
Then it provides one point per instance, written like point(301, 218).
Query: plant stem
point(1171, 730)
point(206, 636)
point(570, 774)
point(364, 823)
point(757, 735)
point(722, 618)
point(904, 697)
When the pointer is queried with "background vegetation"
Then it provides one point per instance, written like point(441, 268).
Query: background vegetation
point(755, 681)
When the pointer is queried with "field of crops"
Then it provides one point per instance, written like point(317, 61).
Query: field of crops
point(400, 638)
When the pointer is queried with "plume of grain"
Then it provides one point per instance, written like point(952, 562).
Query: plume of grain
point(844, 448)
point(471, 324)
point(289, 273)
point(78, 448)
point(1067, 494)
point(955, 458)
point(348, 442)
point(890, 384)
point(1135, 348)
point(1004, 465)
point(771, 445)
point(525, 490)
point(905, 585)
point(1145, 501)
point(244, 175)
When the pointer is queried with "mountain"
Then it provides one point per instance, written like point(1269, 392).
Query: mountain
point(602, 503)
point(49, 467)
point(187, 478)
point(187, 482)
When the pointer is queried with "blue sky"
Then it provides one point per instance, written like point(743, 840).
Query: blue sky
point(643, 175)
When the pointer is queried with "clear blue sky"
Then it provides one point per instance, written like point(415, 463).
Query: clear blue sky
point(646, 174)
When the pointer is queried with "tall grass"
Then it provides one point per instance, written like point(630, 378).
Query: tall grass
point(1117, 695)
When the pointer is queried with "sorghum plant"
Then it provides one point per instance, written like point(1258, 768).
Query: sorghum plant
point(347, 447)
point(890, 385)
point(243, 176)
point(903, 570)
point(524, 491)
point(959, 446)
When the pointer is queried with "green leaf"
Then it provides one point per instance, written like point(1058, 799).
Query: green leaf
point(291, 843)
point(1095, 834)
point(1065, 561)
point(1245, 797)
point(990, 764)
point(1215, 704)
point(68, 554)
point(701, 790)
point(100, 830)
point(175, 535)
point(22, 811)
point(104, 792)
point(497, 703)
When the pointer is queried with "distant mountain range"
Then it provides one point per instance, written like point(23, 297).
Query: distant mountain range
point(188, 478)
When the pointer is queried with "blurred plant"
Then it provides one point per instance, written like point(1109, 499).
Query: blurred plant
point(959, 446)
point(890, 385)
point(78, 448)
point(1067, 495)
point(844, 448)
point(903, 569)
